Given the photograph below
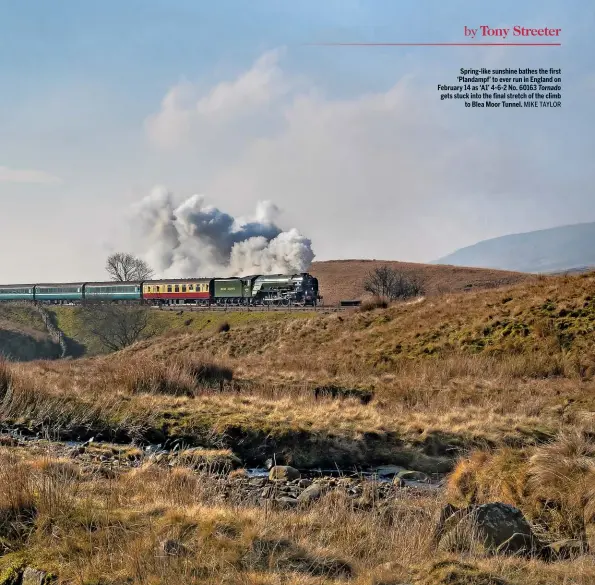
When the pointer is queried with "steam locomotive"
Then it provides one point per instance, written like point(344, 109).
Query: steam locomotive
point(272, 289)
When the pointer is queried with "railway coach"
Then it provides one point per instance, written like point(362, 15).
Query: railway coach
point(17, 292)
point(197, 291)
point(112, 291)
point(59, 292)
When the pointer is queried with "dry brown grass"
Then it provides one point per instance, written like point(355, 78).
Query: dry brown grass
point(542, 329)
point(177, 377)
point(371, 304)
point(428, 417)
point(154, 525)
point(553, 484)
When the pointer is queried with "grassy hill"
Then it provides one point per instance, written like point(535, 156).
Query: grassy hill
point(164, 322)
point(343, 279)
point(556, 249)
point(547, 322)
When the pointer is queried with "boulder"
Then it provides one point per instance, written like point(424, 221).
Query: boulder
point(286, 502)
point(494, 528)
point(310, 494)
point(387, 471)
point(409, 475)
point(258, 482)
point(284, 473)
point(34, 577)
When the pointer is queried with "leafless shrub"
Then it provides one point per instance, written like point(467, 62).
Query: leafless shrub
point(391, 285)
point(116, 326)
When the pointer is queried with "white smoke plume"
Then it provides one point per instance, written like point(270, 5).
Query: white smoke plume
point(196, 239)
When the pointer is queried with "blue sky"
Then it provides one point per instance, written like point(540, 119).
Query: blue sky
point(353, 144)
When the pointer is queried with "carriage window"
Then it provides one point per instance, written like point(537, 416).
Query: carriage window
point(183, 288)
point(190, 286)
point(177, 288)
point(169, 288)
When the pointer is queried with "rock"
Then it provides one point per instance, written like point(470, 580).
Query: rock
point(268, 492)
point(257, 482)
point(33, 577)
point(310, 494)
point(409, 475)
point(172, 547)
point(304, 483)
point(284, 472)
point(399, 482)
point(286, 502)
point(493, 528)
point(386, 471)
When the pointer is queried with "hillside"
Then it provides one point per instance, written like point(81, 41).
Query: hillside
point(23, 335)
point(163, 323)
point(556, 249)
point(343, 279)
point(549, 318)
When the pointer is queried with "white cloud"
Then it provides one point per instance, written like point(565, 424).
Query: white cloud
point(8, 175)
point(185, 113)
point(395, 174)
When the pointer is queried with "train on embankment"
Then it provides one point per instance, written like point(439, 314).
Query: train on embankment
point(260, 289)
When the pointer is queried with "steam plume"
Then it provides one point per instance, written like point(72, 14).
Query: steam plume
point(196, 239)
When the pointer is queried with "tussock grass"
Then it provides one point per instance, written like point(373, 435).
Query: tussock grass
point(5, 377)
point(178, 377)
point(431, 414)
point(553, 484)
point(371, 304)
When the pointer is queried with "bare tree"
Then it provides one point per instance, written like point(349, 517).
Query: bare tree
point(124, 267)
point(116, 326)
point(390, 284)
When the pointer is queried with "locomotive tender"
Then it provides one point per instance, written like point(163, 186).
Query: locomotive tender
point(272, 289)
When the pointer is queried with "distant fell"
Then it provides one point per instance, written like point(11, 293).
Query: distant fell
point(559, 249)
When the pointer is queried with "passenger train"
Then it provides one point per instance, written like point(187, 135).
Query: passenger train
point(272, 289)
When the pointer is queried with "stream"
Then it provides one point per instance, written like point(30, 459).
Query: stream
point(384, 473)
